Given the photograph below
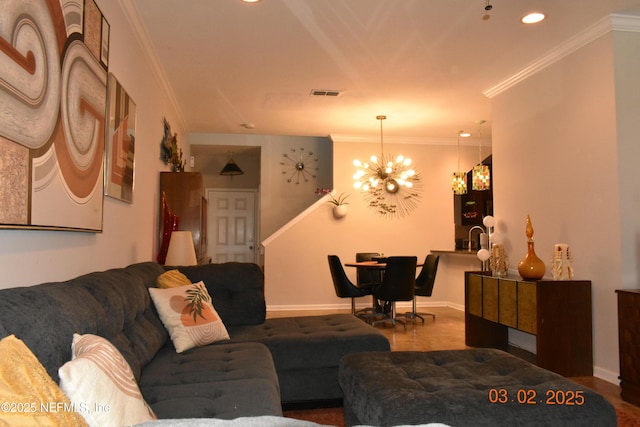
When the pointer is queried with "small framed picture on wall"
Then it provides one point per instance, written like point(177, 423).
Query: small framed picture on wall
point(121, 142)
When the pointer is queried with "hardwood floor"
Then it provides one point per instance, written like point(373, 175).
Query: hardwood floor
point(447, 333)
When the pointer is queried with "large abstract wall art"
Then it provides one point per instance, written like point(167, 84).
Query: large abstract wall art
point(53, 91)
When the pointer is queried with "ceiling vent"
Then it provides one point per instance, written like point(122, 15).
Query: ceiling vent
point(324, 92)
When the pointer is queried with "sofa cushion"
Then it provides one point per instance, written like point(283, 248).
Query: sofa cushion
point(237, 289)
point(218, 380)
point(25, 386)
point(210, 363)
point(114, 304)
point(100, 382)
point(189, 316)
point(172, 279)
point(244, 397)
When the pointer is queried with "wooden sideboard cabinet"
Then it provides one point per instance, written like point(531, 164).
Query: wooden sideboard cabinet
point(629, 342)
point(558, 313)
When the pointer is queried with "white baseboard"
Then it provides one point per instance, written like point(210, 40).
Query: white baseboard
point(606, 375)
point(347, 306)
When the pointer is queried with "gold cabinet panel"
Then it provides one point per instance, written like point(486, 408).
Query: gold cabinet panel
point(507, 304)
point(527, 307)
point(490, 299)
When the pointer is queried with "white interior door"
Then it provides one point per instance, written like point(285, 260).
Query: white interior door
point(231, 226)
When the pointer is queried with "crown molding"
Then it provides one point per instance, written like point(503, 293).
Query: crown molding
point(629, 23)
point(413, 140)
point(139, 31)
point(615, 22)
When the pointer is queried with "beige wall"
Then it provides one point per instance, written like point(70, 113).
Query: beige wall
point(555, 158)
point(296, 268)
point(627, 70)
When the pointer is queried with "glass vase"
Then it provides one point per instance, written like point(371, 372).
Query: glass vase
point(531, 267)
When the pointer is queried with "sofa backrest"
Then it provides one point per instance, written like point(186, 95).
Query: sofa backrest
point(236, 288)
point(114, 304)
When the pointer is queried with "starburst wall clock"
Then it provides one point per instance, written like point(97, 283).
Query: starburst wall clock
point(300, 166)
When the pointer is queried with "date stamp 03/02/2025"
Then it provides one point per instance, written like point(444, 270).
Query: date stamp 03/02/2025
point(533, 397)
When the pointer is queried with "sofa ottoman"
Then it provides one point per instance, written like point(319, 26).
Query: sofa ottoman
point(307, 351)
point(477, 387)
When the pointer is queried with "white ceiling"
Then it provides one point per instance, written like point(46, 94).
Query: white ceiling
point(425, 64)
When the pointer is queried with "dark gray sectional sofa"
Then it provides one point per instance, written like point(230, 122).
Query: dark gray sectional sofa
point(267, 362)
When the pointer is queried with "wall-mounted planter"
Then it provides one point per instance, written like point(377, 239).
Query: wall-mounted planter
point(339, 211)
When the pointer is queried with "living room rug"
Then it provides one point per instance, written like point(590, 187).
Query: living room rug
point(626, 420)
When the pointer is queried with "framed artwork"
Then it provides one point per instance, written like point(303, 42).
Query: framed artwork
point(121, 139)
point(53, 92)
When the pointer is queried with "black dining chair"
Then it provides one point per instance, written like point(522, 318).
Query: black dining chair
point(424, 285)
point(367, 277)
point(343, 286)
point(397, 284)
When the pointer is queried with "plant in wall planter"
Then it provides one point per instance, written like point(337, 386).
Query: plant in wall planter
point(339, 204)
point(170, 153)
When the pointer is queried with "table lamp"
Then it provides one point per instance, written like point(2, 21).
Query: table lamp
point(181, 250)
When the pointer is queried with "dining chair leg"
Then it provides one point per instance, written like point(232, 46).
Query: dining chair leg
point(414, 312)
point(394, 318)
point(417, 314)
point(391, 316)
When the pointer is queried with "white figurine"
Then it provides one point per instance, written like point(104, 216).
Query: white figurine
point(561, 268)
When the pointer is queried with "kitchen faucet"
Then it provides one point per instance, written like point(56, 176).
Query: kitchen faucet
point(475, 227)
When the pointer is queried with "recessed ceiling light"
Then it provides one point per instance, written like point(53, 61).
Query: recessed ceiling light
point(251, 1)
point(533, 18)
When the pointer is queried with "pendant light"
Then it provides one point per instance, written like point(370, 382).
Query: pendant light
point(459, 179)
point(231, 168)
point(391, 186)
point(481, 176)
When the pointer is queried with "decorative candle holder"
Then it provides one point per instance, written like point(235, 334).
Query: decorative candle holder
point(498, 261)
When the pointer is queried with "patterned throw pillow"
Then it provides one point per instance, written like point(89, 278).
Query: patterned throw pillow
point(99, 381)
point(188, 314)
point(27, 393)
point(172, 279)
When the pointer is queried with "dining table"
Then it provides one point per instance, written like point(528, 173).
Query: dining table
point(375, 265)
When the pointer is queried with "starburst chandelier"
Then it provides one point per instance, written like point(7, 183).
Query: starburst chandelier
point(391, 186)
